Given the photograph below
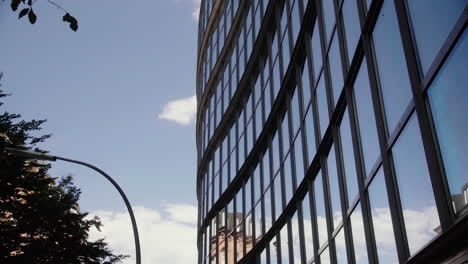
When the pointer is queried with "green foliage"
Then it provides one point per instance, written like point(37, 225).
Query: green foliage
point(15, 4)
point(40, 221)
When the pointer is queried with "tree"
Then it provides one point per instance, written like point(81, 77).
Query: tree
point(27, 9)
point(40, 221)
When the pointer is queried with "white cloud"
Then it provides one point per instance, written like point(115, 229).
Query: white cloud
point(181, 111)
point(163, 239)
point(196, 9)
point(194, 5)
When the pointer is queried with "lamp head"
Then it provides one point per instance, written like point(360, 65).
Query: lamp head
point(30, 154)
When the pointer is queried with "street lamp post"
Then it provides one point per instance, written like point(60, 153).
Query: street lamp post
point(41, 156)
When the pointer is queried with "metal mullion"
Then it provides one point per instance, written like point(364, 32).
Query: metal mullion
point(290, 239)
point(390, 180)
point(328, 209)
point(309, 64)
point(439, 182)
point(343, 190)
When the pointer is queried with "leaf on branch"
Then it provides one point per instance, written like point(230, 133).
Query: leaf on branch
point(70, 19)
point(32, 17)
point(15, 4)
point(23, 12)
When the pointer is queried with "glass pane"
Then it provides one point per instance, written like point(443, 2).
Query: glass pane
point(336, 71)
point(316, 51)
point(274, 247)
point(334, 187)
point(365, 113)
point(328, 17)
point(284, 244)
point(396, 89)
point(325, 257)
point(322, 107)
point(419, 209)
point(340, 246)
point(359, 238)
point(306, 86)
point(299, 160)
point(295, 243)
point(307, 218)
point(320, 205)
point(448, 98)
point(382, 220)
point(348, 158)
point(352, 26)
point(310, 135)
point(288, 181)
point(432, 22)
point(295, 114)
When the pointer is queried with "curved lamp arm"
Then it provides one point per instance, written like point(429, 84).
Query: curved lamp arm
point(40, 156)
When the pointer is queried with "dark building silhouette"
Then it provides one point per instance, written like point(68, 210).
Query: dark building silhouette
point(332, 131)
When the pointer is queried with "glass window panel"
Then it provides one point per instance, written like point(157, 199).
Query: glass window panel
point(348, 158)
point(306, 86)
point(241, 149)
point(257, 183)
point(276, 78)
point(396, 89)
point(322, 107)
point(352, 26)
point(274, 46)
point(239, 224)
point(248, 196)
point(274, 248)
point(336, 70)
point(320, 205)
point(284, 245)
point(325, 256)
point(366, 118)
point(299, 159)
point(334, 187)
point(316, 51)
point(328, 17)
point(275, 151)
point(340, 246)
point(266, 171)
point(278, 194)
point(307, 218)
point(296, 115)
point(382, 220)
point(295, 20)
point(359, 238)
point(286, 51)
point(285, 134)
point(448, 98)
point(295, 243)
point(288, 181)
point(439, 17)
point(310, 135)
point(419, 209)
point(268, 211)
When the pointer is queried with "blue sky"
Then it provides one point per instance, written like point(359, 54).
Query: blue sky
point(119, 94)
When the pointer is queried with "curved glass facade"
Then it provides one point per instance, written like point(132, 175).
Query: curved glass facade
point(328, 131)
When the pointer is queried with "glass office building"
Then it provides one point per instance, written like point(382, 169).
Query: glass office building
point(332, 131)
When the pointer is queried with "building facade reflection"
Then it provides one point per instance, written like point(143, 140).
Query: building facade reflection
point(332, 131)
